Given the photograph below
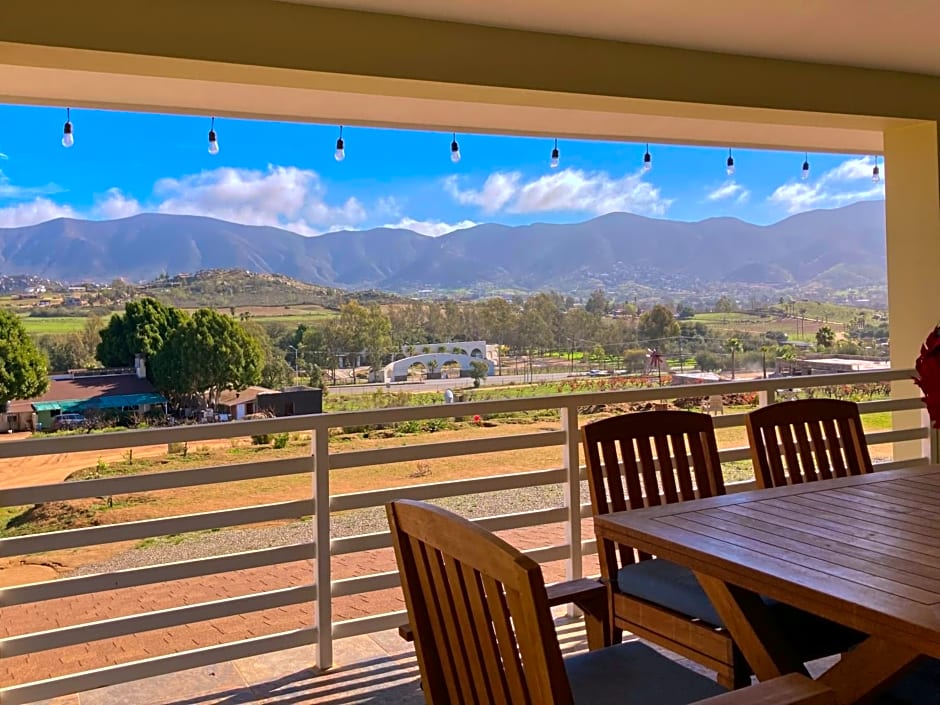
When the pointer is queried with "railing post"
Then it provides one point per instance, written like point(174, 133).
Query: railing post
point(572, 465)
point(321, 537)
point(766, 398)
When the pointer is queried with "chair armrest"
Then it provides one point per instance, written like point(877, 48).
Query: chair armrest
point(792, 689)
point(404, 631)
point(590, 595)
point(577, 591)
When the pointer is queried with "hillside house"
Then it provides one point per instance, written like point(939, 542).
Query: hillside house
point(83, 392)
point(239, 404)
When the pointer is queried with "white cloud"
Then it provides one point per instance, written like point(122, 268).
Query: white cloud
point(498, 188)
point(32, 212)
point(432, 228)
point(4, 156)
point(846, 183)
point(279, 197)
point(114, 204)
point(730, 189)
point(12, 191)
point(565, 190)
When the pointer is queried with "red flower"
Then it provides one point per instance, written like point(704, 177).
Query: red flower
point(477, 420)
point(928, 375)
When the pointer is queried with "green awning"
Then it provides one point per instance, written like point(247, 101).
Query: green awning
point(77, 406)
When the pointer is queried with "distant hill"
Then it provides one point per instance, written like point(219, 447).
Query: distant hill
point(839, 248)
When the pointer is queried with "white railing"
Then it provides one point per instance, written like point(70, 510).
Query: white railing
point(320, 505)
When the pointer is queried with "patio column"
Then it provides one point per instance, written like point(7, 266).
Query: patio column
point(912, 213)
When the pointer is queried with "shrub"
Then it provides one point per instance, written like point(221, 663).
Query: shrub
point(280, 440)
point(433, 425)
point(262, 439)
point(409, 427)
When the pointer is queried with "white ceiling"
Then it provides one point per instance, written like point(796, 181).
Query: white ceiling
point(888, 34)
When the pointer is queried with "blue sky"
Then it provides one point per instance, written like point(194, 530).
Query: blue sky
point(285, 175)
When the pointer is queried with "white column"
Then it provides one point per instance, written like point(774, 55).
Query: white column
point(912, 208)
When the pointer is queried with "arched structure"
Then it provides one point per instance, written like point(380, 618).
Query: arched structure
point(397, 371)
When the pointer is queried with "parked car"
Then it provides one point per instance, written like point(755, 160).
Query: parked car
point(64, 422)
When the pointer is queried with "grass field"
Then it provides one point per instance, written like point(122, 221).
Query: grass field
point(53, 325)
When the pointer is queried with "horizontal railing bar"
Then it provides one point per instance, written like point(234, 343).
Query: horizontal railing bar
point(902, 434)
point(729, 455)
point(365, 583)
point(157, 666)
point(235, 429)
point(368, 625)
point(548, 554)
point(502, 522)
point(149, 482)
point(453, 488)
point(900, 464)
point(449, 449)
point(881, 405)
point(160, 619)
point(134, 530)
point(134, 577)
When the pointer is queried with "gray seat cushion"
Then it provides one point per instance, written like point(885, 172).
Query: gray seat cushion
point(676, 587)
point(919, 687)
point(634, 674)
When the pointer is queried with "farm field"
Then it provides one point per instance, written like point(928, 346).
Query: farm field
point(54, 325)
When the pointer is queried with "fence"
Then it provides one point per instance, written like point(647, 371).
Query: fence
point(320, 464)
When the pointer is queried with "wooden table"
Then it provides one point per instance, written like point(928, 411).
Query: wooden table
point(861, 551)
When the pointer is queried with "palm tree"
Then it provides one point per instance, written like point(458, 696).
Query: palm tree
point(432, 366)
point(733, 346)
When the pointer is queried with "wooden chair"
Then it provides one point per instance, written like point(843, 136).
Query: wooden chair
point(805, 440)
point(484, 632)
point(675, 454)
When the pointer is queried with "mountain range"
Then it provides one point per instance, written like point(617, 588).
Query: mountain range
point(839, 247)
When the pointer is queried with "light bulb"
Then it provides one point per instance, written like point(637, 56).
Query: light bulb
point(805, 174)
point(556, 157)
point(454, 151)
point(213, 143)
point(876, 174)
point(68, 138)
point(647, 160)
point(340, 153)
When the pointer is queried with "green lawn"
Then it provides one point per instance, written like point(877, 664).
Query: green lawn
point(53, 325)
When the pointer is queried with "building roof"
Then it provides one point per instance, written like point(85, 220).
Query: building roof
point(230, 397)
point(87, 392)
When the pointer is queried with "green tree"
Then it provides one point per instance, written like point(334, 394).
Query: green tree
point(707, 361)
point(725, 304)
point(825, 338)
point(208, 353)
point(597, 303)
point(432, 368)
point(22, 367)
point(478, 371)
point(657, 325)
point(733, 346)
point(143, 328)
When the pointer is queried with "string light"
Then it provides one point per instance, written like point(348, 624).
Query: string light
point(213, 139)
point(876, 172)
point(340, 153)
point(730, 168)
point(805, 173)
point(68, 137)
point(454, 150)
point(556, 155)
point(647, 159)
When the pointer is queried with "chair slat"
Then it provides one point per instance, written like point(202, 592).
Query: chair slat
point(667, 478)
point(505, 640)
point(484, 637)
point(683, 471)
point(823, 461)
point(808, 465)
point(477, 685)
point(648, 471)
point(820, 439)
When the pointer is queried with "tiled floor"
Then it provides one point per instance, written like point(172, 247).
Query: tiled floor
point(379, 670)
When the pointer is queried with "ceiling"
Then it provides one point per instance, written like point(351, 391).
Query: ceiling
point(898, 35)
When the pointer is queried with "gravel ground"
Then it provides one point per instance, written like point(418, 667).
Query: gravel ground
point(362, 521)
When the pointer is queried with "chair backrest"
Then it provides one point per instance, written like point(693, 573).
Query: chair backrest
point(647, 459)
point(479, 612)
point(809, 439)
